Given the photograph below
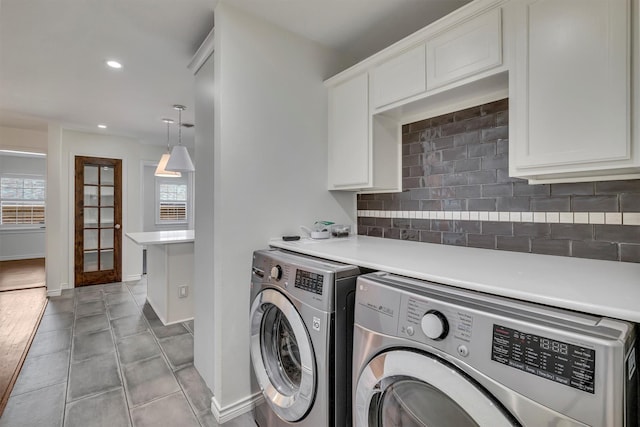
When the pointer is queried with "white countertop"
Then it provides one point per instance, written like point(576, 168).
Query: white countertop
point(606, 288)
point(162, 237)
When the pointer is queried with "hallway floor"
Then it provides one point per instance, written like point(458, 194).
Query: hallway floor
point(101, 357)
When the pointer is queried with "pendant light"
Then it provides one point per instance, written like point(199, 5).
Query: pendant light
point(161, 169)
point(180, 160)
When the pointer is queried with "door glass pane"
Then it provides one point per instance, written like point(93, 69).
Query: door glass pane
point(106, 238)
point(106, 216)
point(412, 403)
point(90, 217)
point(90, 239)
point(106, 176)
point(90, 195)
point(280, 352)
point(106, 260)
point(91, 175)
point(91, 261)
point(106, 196)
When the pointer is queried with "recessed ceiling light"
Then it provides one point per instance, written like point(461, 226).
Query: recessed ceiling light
point(114, 64)
point(101, 126)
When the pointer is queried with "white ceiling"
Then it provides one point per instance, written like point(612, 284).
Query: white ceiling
point(52, 53)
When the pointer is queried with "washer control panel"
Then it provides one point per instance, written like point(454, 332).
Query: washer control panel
point(564, 363)
point(436, 321)
point(308, 281)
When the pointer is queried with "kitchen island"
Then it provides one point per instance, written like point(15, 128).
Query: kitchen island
point(606, 288)
point(169, 272)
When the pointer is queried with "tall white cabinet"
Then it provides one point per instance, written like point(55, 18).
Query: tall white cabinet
point(570, 90)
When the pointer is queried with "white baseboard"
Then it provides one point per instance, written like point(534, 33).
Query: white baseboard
point(133, 278)
point(54, 292)
point(236, 409)
point(19, 257)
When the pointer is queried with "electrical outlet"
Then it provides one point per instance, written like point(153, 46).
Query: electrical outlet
point(183, 291)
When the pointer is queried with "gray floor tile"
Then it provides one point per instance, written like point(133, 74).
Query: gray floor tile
point(90, 318)
point(137, 347)
point(40, 408)
point(129, 325)
point(189, 325)
point(162, 331)
point(119, 298)
point(50, 342)
point(208, 420)
point(124, 309)
point(148, 380)
point(58, 305)
point(196, 390)
point(92, 345)
point(112, 288)
point(42, 371)
point(90, 308)
point(172, 410)
point(140, 299)
point(67, 293)
point(138, 288)
point(148, 312)
point(93, 323)
point(56, 322)
point(93, 376)
point(103, 410)
point(88, 296)
point(244, 420)
point(179, 349)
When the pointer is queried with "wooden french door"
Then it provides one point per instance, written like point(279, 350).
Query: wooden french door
point(98, 214)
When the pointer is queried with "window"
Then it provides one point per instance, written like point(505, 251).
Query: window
point(172, 201)
point(22, 199)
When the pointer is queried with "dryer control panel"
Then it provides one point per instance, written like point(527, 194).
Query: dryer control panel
point(309, 281)
point(564, 363)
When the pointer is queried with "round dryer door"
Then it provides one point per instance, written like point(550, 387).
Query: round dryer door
point(282, 355)
point(409, 389)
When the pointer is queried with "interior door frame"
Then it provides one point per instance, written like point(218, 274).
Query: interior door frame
point(118, 214)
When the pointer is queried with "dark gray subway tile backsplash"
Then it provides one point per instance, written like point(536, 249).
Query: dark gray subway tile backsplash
point(458, 162)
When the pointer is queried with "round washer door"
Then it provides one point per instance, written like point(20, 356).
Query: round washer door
point(404, 388)
point(282, 355)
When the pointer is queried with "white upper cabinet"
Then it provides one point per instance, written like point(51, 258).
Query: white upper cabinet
point(464, 50)
point(399, 77)
point(570, 90)
point(364, 150)
point(349, 147)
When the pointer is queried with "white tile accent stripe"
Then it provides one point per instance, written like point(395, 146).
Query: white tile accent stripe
point(612, 218)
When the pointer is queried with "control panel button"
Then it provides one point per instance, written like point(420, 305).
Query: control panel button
point(435, 325)
point(410, 331)
point(463, 350)
point(276, 272)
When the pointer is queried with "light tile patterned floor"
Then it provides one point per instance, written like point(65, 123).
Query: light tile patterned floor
point(101, 357)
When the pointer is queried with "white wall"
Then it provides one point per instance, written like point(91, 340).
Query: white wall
point(23, 139)
point(64, 145)
point(268, 172)
point(15, 243)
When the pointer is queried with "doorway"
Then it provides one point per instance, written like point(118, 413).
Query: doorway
point(98, 218)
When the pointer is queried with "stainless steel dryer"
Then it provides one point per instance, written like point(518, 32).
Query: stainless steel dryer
point(301, 339)
point(432, 355)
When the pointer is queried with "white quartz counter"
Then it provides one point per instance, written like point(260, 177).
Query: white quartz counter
point(606, 288)
point(161, 237)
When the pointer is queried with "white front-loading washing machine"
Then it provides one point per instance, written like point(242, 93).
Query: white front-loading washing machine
point(301, 339)
point(432, 355)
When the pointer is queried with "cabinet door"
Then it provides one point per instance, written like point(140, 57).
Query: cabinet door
point(349, 147)
point(399, 77)
point(466, 49)
point(571, 87)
